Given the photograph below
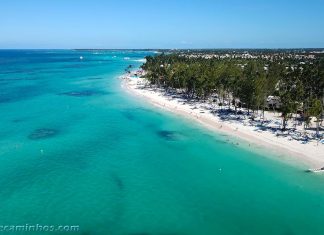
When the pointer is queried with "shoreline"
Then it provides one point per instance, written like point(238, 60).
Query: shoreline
point(311, 155)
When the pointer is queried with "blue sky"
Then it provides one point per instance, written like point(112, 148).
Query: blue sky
point(161, 23)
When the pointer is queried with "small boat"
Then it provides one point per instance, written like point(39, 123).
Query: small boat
point(81, 57)
point(318, 170)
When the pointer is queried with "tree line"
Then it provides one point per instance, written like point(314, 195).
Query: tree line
point(299, 85)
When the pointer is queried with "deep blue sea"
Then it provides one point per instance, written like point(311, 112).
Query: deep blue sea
point(77, 149)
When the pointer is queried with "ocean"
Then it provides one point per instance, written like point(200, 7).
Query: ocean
point(77, 149)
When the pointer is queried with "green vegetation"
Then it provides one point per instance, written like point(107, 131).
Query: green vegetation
point(239, 82)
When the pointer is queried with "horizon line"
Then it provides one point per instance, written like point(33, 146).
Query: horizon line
point(175, 49)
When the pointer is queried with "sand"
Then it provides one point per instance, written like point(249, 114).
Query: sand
point(310, 155)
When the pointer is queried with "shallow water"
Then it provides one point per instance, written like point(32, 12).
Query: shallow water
point(75, 149)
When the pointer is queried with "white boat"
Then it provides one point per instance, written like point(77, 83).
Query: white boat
point(318, 170)
point(81, 57)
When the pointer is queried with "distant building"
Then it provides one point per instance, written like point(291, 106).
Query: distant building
point(273, 102)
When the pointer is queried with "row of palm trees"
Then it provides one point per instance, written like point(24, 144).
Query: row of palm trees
point(244, 82)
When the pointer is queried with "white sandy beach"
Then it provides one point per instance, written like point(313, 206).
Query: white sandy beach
point(310, 154)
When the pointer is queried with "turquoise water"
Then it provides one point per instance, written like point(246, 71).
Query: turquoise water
point(76, 149)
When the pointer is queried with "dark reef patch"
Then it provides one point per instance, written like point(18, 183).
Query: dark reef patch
point(83, 93)
point(220, 141)
point(43, 133)
point(128, 115)
point(18, 120)
point(95, 78)
point(167, 135)
point(118, 181)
